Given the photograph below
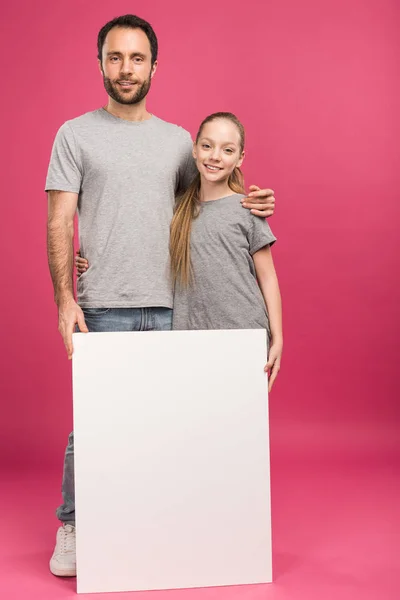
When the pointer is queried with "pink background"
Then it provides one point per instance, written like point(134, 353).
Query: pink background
point(317, 87)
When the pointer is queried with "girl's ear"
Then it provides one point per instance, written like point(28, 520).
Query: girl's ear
point(194, 151)
point(241, 159)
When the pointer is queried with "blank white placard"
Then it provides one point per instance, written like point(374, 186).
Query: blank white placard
point(171, 460)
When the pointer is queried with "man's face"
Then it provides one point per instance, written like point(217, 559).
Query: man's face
point(126, 65)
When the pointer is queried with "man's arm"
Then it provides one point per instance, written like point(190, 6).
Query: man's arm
point(60, 250)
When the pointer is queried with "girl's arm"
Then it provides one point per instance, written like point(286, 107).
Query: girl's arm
point(268, 283)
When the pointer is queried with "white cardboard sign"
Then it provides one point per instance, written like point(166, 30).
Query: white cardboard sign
point(171, 460)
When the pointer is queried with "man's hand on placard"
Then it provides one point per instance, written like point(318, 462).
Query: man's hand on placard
point(260, 202)
point(69, 315)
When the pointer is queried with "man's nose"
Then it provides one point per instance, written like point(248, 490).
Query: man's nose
point(127, 66)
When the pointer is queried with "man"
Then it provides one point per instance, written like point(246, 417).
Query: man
point(120, 167)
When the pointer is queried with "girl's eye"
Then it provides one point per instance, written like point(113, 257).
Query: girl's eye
point(229, 150)
point(205, 146)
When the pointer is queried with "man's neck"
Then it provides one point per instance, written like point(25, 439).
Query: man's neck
point(128, 112)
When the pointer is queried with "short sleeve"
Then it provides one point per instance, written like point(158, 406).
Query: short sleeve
point(188, 169)
point(65, 170)
point(260, 234)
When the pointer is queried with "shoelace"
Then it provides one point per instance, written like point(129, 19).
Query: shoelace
point(67, 541)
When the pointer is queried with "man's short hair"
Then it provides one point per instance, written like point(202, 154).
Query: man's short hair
point(129, 22)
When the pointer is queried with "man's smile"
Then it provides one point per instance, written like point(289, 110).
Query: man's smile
point(126, 84)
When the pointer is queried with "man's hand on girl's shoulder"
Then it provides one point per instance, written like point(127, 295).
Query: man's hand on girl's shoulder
point(260, 202)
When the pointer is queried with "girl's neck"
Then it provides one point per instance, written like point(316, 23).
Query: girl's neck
point(213, 191)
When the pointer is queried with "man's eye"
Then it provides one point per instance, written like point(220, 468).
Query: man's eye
point(138, 59)
point(114, 58)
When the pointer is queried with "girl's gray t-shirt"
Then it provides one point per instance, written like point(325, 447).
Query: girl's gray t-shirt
point(225, 293)
point(126, 175)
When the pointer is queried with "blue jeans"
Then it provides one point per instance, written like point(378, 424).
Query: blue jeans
point(108, 319)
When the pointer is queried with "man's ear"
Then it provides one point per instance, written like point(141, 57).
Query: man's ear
point(153, 69)
point(100, 66)
point(241, 159)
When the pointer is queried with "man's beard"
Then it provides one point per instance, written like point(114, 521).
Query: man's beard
point(112, 90)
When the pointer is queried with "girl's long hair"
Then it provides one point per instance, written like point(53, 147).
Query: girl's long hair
point(187, 209)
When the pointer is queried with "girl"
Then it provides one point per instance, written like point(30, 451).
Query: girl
point(218, 250)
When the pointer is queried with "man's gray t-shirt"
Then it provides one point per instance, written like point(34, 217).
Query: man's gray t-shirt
point(225, 293)
point(127, 175)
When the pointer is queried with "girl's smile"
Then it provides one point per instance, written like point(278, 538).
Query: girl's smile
point(212, 168)
point(218, 151)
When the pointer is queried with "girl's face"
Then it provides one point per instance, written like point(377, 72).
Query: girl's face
point(217, 151)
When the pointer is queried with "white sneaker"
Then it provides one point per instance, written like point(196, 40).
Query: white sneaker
point(63, 561)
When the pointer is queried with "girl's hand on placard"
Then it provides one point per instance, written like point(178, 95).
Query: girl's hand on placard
point(81, 264)
point(274, 362)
